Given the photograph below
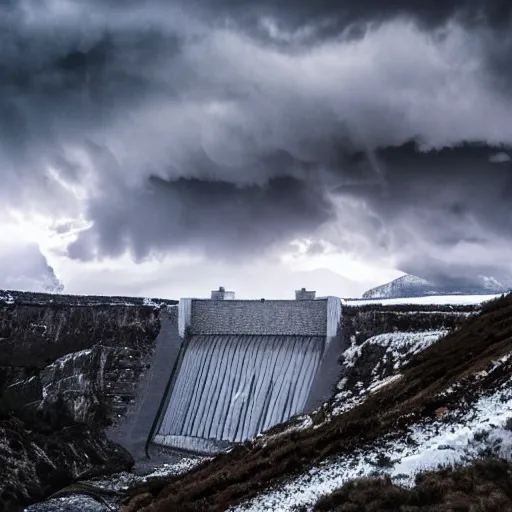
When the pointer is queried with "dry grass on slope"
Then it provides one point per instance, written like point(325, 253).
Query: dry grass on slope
point(248, 470)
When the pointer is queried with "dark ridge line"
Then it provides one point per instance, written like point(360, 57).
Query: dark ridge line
point(21, 298)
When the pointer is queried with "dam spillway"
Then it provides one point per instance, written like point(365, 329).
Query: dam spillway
point(245, 366)
point(241, 385)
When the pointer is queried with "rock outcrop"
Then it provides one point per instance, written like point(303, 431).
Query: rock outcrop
point(37, 462)
point(362, 322)
point(91, 352)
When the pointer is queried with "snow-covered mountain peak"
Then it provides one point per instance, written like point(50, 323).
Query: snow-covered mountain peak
point(413, 286)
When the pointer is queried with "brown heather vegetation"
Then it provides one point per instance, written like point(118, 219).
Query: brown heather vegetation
point(484, 486)
point(248, 469)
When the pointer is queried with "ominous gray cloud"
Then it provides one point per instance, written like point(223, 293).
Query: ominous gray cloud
point(457, 198)
point(231, 128)
point(216, 218)
point(328, 17)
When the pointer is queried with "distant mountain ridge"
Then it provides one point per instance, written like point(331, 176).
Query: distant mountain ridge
point(414, 286)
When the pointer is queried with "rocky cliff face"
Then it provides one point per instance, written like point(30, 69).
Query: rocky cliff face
point(96, 384)
point(89, 351)
point(362, 322)
point(37, 329)
point(69, 366)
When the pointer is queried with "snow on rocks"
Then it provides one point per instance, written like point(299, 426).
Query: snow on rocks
point(72, 503)
point(295, 424)
point(73, 356)
point(6, 297)
point(383, 383)
point(125, 481)
point(369, 366)
point(99, 494)
point(157, 304)
point(399, 345)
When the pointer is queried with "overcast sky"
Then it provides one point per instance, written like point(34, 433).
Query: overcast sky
point(167, 147)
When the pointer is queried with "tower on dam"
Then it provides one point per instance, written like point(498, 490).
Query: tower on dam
point(246, 365)
point(222, 294)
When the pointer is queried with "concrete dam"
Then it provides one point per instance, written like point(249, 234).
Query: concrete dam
point(246, 365)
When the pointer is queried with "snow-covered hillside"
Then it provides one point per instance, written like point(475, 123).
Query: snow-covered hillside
point(457, 437)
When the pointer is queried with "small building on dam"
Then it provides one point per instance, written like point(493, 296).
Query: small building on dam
point(244, 366)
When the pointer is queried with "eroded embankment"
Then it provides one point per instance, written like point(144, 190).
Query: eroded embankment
point(419, 393)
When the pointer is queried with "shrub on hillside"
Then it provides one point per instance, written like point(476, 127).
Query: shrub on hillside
point(484, 486)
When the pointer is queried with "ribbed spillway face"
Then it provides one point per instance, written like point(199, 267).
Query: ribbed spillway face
point(233, 387)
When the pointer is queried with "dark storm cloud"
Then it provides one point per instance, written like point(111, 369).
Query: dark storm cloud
point(178, 126)
point(218, 219)
point(456, 197)
point(64, 75)
point(326, 18)
point(458, 182)
point(332, 15)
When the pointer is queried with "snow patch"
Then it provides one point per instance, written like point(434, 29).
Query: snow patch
point(124, 481)
point(400, 347)
point(152, 303)
point(6, 297)
point(62, 361)
point(298, 423)
point(384, 383)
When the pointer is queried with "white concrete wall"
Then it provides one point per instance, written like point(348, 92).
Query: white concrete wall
point(333, 317)
point(184, 315)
